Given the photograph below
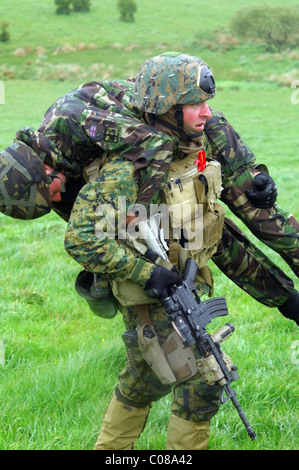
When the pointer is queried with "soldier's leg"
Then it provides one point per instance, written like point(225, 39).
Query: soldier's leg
point(276, 228)
point(194, 404)
point(137, 387)
point(123, 423)
point(250, 269)
point(187, 435)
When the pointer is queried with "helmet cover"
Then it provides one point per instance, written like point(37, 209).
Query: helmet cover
point(24, 185)
point(170, 79)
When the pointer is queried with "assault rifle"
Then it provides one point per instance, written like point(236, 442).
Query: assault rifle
point(190, 317)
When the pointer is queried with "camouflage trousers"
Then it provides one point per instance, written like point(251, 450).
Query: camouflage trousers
point(192, 399)
point(241, 260)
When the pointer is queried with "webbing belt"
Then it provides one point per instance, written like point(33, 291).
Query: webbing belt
point(143, 314)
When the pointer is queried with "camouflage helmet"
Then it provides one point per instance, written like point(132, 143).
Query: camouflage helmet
point(170, 79)
point(24, 185)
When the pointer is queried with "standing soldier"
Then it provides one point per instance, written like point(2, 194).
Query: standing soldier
point(140, 136)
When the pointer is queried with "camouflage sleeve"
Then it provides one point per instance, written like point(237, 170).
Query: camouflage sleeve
point(92, 235)
point(90, 121)
point(148, 149)
point(227, 146)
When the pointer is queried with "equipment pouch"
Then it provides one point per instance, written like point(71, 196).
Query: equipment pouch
point(153, 354)
point(208, 186)
point(181, 360)
point(179, 192)
point(212, 226)
point(97, 293)
point(128, 293)
point(171, 362)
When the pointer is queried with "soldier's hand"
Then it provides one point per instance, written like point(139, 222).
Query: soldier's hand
point(264, 192)
point(159, 281)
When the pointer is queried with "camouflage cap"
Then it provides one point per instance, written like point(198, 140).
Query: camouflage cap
point(24, 185)
point(172, 78)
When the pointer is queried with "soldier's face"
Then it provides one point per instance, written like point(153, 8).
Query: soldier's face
point(196, 115)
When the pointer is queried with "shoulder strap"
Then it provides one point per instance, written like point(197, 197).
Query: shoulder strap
point(92, 171)
point(143, 314)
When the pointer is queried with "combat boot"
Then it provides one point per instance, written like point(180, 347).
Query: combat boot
point(122, 426)
point(187, 435)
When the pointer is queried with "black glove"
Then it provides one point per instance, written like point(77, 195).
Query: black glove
point(264, 193)
point(159, 281)
point(290, 309)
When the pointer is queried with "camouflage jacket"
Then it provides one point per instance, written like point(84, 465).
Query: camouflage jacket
point(98, 118)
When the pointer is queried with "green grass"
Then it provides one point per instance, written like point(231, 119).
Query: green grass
point(61, 361)
point(196, 27)
point(155, 22)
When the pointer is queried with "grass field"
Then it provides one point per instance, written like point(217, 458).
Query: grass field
point(61, 361)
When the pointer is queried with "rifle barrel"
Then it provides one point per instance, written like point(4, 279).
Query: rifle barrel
point(232, 395)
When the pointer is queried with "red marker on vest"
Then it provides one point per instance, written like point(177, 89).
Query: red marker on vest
point(201, 161)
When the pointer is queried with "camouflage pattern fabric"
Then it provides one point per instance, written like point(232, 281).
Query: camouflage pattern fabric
point(106, 256)
point(226, 146)
point(275, 227)
point(170, 79)
point(91, 120)
point(192, 400)
point(249, 268)
point(24, 185)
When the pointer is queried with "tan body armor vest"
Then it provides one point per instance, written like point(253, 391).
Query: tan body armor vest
point(191, 197)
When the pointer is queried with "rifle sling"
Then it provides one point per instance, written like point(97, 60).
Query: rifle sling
point(143, 314)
